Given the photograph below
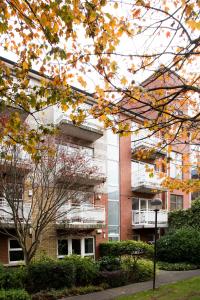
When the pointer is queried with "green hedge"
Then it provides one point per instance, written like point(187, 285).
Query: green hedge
point(86, 269)
point(189, 217)
point(176, 266)
point(137, 270)
point(126, 248)
point(109, 263)
point(50, 274)
point(182, 245)
point(12, 278)
point(14, 295)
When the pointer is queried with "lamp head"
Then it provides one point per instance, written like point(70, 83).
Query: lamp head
point(156, 204)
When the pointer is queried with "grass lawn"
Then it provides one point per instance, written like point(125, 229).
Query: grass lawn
point(182, 290)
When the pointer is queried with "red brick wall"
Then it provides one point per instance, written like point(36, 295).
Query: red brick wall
point(125, 188)
point(3, 249)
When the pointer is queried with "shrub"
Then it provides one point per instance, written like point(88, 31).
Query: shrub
point(109, 263)
point(189, 217)
point(138, 270)
point(14, 295)
point(12, 278)
point(42, 275)
point(182, 245)
point(54, 295)
point(126, 248)
point(86, 269)
point(113, 278)
point(176, 266)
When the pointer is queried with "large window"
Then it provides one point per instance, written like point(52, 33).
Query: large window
point(79, 246)
point(176, 202)
point(15, 251)
point(176, 163)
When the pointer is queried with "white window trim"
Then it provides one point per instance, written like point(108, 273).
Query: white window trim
point(12, 250)
point(82, 241)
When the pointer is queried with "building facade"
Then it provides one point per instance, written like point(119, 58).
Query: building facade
point(119, 205)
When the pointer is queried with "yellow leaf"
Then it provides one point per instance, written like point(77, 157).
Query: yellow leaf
point(25, 65)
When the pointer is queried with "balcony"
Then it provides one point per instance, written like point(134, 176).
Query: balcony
point(145, 179)
point(89, 130)
point(81, 216)
point(6, 215)
point(14, 158)
point(146, 218)
point(99, 166)
point(144, 140)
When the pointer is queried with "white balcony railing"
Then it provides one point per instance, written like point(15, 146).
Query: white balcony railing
point(12, 154)
point(145, 175)
point(144, 138)
point(91, 161)
point(147, 218)
point(84, 214)
point(91, 123)
point(6, 215)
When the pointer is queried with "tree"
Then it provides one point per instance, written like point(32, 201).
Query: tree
point(186, 218)
point(34, 192)
point(49, 35)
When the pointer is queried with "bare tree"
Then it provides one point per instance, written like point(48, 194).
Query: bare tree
point(34, 191)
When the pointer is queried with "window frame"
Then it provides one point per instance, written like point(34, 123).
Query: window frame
point(82, 244)
point(12, 250)
point(175, 202)
point(177, 168)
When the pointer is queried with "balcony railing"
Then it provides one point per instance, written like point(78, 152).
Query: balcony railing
point(84, 215)
point(89, 130)
point(6, 215)
point(99, 165)
point(146, 218)
point(144, 178)
point(145, 140)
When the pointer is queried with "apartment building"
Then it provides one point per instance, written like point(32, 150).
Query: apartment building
point(141, 177)
point(118, 206)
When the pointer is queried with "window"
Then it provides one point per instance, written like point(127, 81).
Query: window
point(78, 246)
point(113, 212)
point(62, 248)
point(89, 246)
point(176, 165)
point(136, 237)
point(176, 202)
point(15, 251)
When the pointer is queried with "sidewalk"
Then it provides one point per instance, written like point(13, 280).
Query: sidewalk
point(163, 277)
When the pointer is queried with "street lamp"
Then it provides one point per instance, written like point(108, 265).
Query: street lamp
point(156, 204)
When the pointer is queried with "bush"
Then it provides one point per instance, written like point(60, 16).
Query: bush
point(126, 248)
point(113, 278)
point(138, 270)
point(189, 217)
point(54, 295)
point(42, 275)
point(176, 266)
point(86, 269)
point(109, 263)
point(14, 295)
point(182, 245)
point(12, 278)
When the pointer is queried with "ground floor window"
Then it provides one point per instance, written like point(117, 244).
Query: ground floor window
point(136, 237)
point(176, 202)
point(79, 246)
point(15, 251)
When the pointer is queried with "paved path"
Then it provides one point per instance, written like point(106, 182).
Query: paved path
point(163, 277)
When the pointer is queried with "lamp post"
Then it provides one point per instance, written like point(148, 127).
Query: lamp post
point(156, 203)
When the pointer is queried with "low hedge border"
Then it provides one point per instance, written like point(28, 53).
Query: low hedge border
point(134, 248)
point(184, 266)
